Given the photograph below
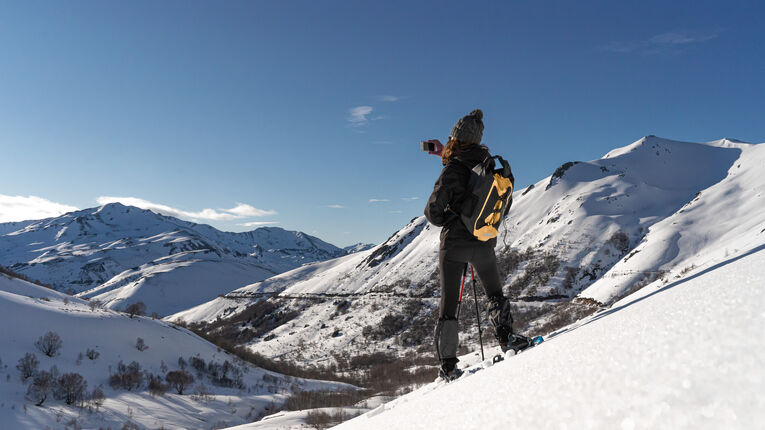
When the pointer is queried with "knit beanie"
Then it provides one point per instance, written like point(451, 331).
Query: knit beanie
point(469, 129)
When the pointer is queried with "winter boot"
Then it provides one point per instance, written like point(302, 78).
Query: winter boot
point(499, 315)
point(516, 342)
point(449, 370)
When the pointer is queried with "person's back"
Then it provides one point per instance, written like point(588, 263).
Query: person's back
point(453, 185)
point(459, 247)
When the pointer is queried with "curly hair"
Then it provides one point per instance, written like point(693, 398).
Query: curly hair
point(452, 146)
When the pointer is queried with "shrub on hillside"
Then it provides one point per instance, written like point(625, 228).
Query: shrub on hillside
point(71, 388)
point(619, 241)
point(11, 273)
point(156, 386)
point(301, 400)
point(225, 374)
point(92, 354)
point(128, 377)
point(137, 308)
point(140, 344)
point(97, 397)
point(42, 386)
point(199, 365)
point(388, 327)
point(49, 344)
point(319, 420)
point(27, 365)
point(179, 380)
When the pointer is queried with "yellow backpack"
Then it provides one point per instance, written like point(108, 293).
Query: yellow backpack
point(488, 197)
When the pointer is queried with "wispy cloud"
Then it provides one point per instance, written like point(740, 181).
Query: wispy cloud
point(378, 200)
point(660, 43)
point(245, 210)
point(239, 211)
point(680, 38)
point(336, 206)
point(21, 208)
point(258, 223)
point(388, 98)
point(409, 199)
point(359, 115)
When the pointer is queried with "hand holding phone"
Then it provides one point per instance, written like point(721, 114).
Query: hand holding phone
point(432, 146)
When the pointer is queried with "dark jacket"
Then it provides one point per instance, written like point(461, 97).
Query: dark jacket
point(448, 199)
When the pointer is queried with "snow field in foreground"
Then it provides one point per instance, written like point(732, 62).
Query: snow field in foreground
point(684, 355)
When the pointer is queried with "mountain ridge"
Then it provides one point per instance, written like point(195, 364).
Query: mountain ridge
point(567, 248)
point(119, 254)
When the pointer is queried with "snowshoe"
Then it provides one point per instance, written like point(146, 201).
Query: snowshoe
point(516, 343)
point(450, 375)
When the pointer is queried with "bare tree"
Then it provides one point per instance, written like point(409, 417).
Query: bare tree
point(137, 308)
point(49, 344)
point(27, 365)
point(179, 379)
point(42, 386)
point(127, 377)
point(97, 397)
point(156, 386)
point(94, 304)
point(71, 388)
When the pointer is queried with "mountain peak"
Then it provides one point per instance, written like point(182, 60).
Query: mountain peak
point(111, 206)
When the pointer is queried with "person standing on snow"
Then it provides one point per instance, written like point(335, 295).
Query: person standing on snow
point(460, 247)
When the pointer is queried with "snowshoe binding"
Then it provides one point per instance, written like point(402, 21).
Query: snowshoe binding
point(516, 343)
point(450, 374)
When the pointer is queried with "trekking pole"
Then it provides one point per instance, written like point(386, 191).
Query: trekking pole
point(477, 315)
point(462, 288)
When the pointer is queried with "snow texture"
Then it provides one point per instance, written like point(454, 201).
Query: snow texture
point(28, 311)
point(687, 354)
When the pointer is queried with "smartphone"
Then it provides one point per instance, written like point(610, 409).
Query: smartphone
point(427, 146)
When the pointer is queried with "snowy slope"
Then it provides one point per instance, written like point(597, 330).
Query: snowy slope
point(119, 254)
point(684, 355)
point(721, 220)
point(593, 230)
point(358, 247)
point(27, 311)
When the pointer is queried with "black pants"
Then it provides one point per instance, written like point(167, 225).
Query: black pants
point(452, 264)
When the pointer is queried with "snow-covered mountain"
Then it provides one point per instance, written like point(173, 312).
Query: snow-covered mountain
point(358, 247)
point(120, 254)
point(30, 311)
point(573, 243)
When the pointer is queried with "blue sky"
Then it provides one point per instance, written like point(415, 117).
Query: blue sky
point(308, 114)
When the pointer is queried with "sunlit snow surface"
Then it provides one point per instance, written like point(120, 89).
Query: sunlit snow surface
point(688, 354)
point(28, 311)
